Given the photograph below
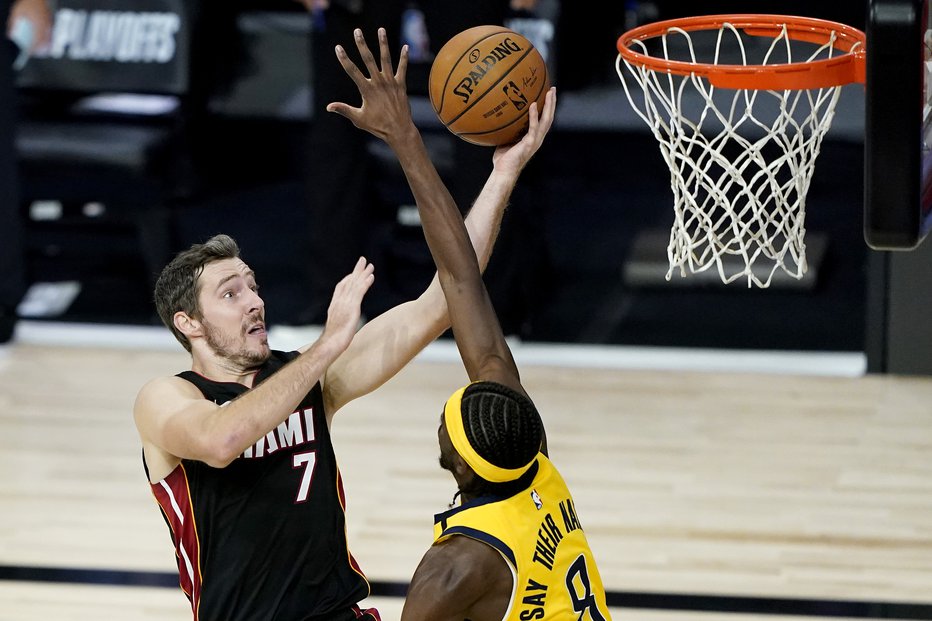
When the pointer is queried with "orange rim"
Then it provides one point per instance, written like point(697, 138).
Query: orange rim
point(848, 68)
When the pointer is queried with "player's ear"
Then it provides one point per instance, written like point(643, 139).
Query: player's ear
point(464, 473)
point(187, 325)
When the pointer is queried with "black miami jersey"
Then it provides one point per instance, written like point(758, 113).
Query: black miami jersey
point(264, 537)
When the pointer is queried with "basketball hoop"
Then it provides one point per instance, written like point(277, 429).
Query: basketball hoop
point(739, 105)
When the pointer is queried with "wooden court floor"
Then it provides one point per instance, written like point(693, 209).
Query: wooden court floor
point(705, 496)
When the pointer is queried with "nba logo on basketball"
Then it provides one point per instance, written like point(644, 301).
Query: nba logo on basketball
point(515, 95)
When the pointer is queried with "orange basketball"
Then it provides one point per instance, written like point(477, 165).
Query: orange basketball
point(482, 83)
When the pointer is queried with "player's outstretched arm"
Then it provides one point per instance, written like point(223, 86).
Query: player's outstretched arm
point(385, 113)
point(175, 422)
point(479, 337)
point(388, 342)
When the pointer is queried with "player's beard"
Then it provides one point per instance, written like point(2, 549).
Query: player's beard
point(225, 347)
point(445, 463)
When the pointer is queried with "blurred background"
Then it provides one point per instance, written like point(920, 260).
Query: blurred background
point(217, 140)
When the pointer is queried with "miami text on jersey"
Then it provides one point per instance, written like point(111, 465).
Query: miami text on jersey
point(296, 430)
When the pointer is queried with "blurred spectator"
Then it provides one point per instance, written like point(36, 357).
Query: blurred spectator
point(29, 23)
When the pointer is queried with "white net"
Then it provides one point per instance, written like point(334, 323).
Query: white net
point(741, 161)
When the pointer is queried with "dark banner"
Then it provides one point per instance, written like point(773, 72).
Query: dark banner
point(114, 45)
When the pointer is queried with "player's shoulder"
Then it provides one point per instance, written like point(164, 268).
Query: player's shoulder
point(470, 560)
point(454, 576)
point(166, 382)
point(163, 388)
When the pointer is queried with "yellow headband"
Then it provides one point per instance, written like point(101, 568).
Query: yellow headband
point(453, 417)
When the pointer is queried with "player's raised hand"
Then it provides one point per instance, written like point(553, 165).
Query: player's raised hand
point(385, 110)
point(345, 307)
point(513, 157)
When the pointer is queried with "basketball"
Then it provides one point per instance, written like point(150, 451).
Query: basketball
point(482, 84)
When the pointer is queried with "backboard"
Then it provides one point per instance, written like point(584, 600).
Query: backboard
point(898, 140)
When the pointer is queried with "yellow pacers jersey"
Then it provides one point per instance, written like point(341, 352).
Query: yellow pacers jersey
point(538, 533)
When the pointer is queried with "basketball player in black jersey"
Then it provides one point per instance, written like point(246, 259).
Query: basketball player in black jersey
point(514, 549)
point(237, 449)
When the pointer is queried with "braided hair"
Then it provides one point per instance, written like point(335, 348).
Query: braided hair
point(502, 425)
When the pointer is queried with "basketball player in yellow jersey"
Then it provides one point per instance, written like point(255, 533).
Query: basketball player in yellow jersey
point(515, 547)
